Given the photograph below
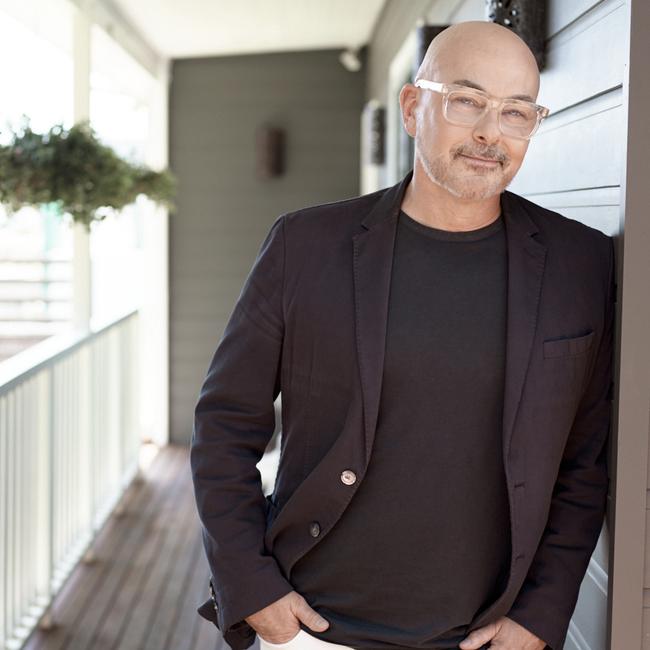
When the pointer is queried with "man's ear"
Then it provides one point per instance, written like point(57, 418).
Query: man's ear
point(408, 103)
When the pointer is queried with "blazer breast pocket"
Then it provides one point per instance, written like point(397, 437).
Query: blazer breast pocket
point(568, 346)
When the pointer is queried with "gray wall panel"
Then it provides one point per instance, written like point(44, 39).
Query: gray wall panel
point(224, 212)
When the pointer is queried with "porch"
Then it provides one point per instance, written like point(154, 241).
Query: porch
point(137, 589)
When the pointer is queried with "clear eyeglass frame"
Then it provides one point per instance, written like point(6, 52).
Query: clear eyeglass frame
point(496, 102)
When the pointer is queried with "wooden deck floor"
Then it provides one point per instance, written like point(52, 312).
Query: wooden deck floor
point(149, 576)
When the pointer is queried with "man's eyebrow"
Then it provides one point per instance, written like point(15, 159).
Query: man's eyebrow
point(473, 84)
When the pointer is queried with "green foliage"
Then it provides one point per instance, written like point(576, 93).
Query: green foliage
point(74, 170)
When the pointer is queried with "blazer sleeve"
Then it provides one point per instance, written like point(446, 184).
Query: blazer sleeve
point(234, 420)
point(547, 599)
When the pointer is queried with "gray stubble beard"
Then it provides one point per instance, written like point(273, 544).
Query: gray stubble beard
point(439, 174)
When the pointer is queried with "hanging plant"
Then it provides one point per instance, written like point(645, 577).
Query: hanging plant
point(75, 171)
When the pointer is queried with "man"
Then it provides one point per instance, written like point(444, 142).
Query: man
point(443, 349)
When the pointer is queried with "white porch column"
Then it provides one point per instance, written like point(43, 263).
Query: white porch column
point(154, 310)
point(81, 269)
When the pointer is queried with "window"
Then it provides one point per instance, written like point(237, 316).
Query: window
point(35, 245)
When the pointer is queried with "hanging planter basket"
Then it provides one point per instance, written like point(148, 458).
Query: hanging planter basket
point(75, 171)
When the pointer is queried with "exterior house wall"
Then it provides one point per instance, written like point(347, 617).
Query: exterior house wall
point(224, 211)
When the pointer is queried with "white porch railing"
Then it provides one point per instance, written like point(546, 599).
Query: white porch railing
point(69, 446)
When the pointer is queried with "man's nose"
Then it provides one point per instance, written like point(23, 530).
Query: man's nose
point(487, 128)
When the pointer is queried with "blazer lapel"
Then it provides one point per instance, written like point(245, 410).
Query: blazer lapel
point(526, 260)
point(373, 260)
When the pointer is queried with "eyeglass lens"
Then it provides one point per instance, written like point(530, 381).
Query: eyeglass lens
point(516, 118)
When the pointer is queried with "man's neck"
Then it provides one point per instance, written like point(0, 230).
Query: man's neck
point(432, 205)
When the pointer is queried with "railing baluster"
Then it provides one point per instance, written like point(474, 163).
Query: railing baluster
point(20, 500)
point(11, 490)
point(69, 443)
point(4, 523)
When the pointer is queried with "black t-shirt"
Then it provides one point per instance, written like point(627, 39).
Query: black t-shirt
point(425, 542)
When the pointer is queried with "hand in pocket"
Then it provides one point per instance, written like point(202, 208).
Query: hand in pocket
point(279, 622)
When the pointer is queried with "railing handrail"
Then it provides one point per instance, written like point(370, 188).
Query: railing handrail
point(30, 360)
point(35, 280)
point(35, 260)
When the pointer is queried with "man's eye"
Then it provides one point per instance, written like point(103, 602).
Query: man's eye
point(467, 101)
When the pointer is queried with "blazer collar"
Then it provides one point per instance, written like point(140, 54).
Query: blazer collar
point(515, 213)
point(389, 205)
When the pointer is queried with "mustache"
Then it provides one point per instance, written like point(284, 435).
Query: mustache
point(488, 154)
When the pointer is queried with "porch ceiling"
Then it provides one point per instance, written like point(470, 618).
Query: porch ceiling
point(194, 28)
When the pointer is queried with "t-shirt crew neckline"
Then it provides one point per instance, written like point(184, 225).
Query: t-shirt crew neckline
point(452, 235)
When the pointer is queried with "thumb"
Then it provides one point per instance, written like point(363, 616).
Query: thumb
point(310, 617)
point(479, 637)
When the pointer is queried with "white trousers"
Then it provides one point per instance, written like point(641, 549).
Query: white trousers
point(302, 641)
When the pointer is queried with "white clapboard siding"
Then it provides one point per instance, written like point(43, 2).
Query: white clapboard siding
point(579, 149)
point(597, 206)
point(562, 13)
point(586, 58)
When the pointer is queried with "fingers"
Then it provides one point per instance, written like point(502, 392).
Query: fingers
point(479, 638)
point(310, 617)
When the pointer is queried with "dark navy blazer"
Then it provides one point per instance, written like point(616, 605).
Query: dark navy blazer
point(310, 321)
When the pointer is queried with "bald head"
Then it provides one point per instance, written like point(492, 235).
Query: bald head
point(469, 161)
point(480, 50)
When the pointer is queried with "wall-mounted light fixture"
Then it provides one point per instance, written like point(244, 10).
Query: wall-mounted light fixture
point(374, 124)
point(270, 151)
point(526, 18)
point(350, 59)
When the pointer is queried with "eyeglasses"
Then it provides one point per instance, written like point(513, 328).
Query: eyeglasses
point(465, 106)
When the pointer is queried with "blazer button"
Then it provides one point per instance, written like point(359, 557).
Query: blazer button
point(348, 477)
point(314, 529)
